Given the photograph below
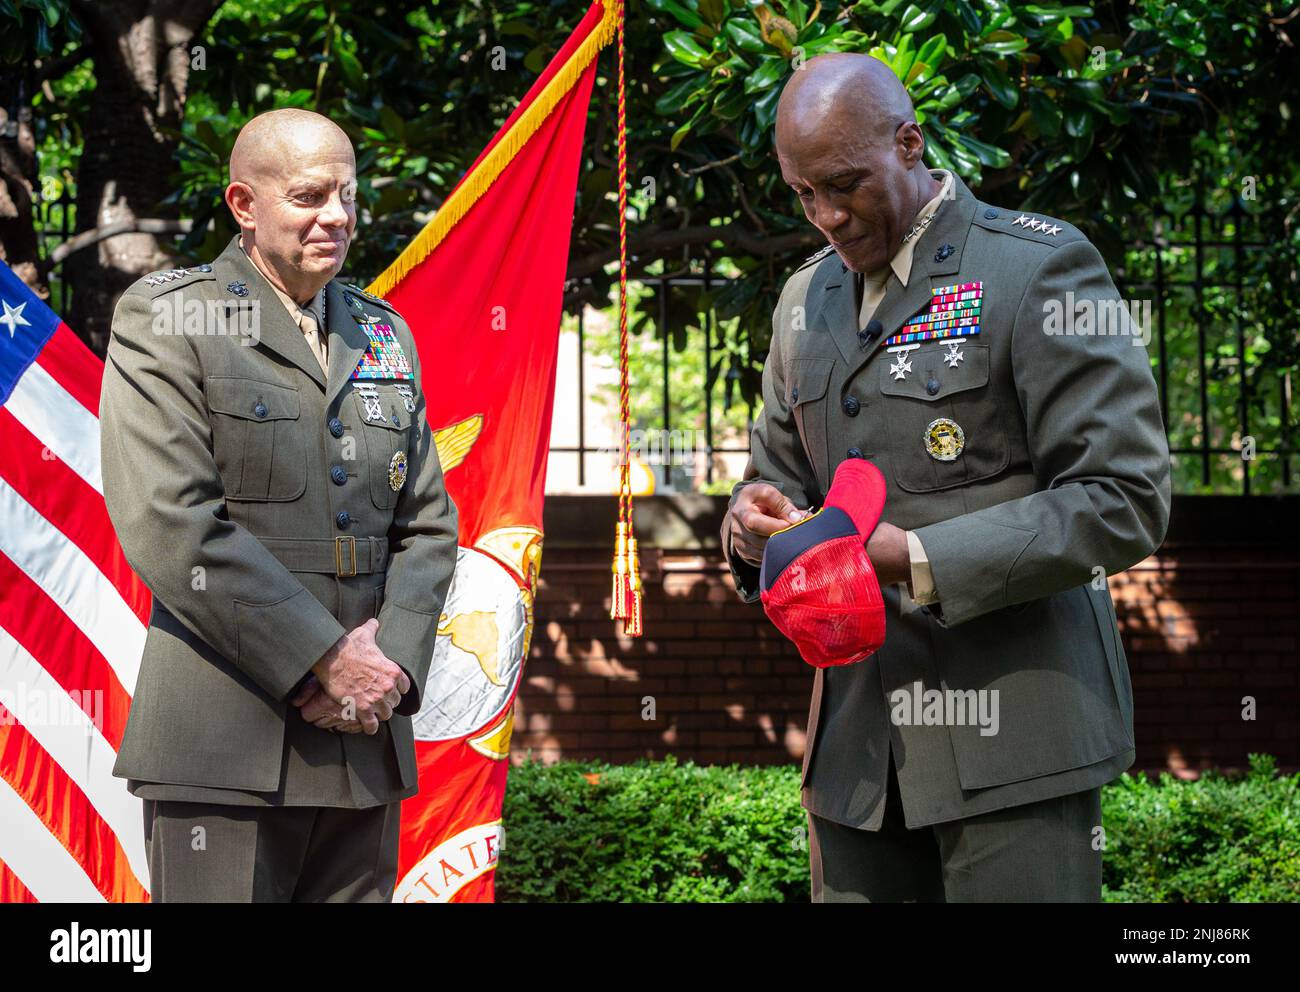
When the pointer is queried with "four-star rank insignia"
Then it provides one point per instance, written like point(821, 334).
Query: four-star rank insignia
point(397, 471)
point(954, 312)
point(383, 357)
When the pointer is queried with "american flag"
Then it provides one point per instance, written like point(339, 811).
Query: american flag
point(73, 618)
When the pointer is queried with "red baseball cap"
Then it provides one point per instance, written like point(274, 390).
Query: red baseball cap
point(817, 583)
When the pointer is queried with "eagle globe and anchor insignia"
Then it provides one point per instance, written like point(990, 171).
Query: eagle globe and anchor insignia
point(484, 633)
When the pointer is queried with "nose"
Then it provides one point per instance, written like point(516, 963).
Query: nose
point(333, 214)
point(827, 215)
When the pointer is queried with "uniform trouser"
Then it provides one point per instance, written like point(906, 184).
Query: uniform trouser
point(270, 853)
point(1039, 852)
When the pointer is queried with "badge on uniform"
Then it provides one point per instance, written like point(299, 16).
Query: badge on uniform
point(944, 439)
point(397, 471)
point(954, 311)
point(408, 397)
point(370, 397)
point(383, 358)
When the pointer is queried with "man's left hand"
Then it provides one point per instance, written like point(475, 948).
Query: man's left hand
point(887, 549)
point(321, 711)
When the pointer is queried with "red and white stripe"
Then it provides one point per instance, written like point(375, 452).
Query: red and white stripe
point(73, 618)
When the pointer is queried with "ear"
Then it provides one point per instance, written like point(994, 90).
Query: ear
point(239, 198)
point(910, 142)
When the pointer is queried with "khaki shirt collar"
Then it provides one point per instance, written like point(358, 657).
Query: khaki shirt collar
point(901, 263)
point(296, 311)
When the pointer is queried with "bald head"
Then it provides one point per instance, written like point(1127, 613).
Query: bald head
point(273, 141)
point(293, 193)
point(849, 146)
point(857, 88)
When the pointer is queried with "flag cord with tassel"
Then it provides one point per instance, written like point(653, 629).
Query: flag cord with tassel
point(626, 599)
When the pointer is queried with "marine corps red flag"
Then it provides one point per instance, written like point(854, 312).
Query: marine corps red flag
point(481, 287)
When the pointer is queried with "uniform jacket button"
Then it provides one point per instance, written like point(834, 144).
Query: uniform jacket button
point(851, 406)
point(932, 386)
point(339, 475)
point(855, 453)
point(260, 409)
point(990, 214)
point(794, 394)
point(336, 426)
point(343, 519)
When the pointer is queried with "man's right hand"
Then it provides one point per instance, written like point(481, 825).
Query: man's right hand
point(760, 510)
point(356, 671)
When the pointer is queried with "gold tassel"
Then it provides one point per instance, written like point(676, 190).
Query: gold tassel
point(632, 623)
point(619, 605)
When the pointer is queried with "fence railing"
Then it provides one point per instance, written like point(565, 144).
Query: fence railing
point(1215, 398)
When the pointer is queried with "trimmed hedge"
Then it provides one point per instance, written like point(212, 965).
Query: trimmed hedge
point(1217, 839)
point(680, 832)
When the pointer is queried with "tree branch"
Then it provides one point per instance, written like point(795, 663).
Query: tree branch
point(138, 225)
point(736, 239)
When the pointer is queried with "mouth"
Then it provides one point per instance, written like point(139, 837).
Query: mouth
point(850, 244)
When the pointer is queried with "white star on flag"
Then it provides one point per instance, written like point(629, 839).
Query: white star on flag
point(14, 316)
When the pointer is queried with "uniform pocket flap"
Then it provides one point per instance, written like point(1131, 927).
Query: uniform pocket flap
point(931, 377)
point(808, 379)
point(391, 405)
point(251, 399)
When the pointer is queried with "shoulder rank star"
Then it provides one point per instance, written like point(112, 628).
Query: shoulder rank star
point(1034, 224)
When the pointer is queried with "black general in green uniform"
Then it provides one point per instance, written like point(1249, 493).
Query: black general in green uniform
point(1023, 462)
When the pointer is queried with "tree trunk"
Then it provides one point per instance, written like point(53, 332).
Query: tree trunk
point(18, 178)
point(142, 53)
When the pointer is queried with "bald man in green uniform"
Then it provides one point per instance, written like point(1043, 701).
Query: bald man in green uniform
point(1024, 462)
point(272, 478)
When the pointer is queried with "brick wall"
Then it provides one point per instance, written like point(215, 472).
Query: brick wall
point(1205, 623)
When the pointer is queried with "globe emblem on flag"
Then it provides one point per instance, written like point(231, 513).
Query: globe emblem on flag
point(478, 657)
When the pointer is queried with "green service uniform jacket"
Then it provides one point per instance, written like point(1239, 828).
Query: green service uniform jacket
point(1064, 473)
point(267, 508)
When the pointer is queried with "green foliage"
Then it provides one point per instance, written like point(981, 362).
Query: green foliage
point(1212, 840)
point(677, 832)
point(653, 832)
point(1106, 114)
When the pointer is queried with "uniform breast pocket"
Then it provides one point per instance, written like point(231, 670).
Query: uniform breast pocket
point(806, 394)
point(256, 438)
point(385, 430)
point(943, 423)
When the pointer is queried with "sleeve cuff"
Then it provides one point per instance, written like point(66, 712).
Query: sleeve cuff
point(921, 586)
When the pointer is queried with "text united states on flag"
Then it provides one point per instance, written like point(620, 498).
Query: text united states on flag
point(72, 625)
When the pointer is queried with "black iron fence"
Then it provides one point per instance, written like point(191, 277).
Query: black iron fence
point(1228, 410)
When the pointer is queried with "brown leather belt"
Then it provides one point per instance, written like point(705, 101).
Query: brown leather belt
point(341, 556)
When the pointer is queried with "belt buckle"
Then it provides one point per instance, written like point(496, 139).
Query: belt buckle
point(340, 543)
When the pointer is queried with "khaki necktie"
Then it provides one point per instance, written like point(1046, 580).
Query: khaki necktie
point(309, 322)
point(873, 291)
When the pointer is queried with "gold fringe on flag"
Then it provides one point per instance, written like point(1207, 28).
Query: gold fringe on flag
point(485, 174)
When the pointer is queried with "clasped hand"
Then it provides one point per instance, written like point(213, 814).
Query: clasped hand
point(354, 686)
